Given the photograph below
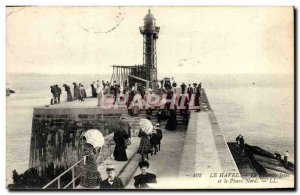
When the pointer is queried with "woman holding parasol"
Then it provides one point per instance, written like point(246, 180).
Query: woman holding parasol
point(93, 141)
point(145, 131)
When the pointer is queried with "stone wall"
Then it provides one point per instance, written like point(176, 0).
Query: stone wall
point(55, 137)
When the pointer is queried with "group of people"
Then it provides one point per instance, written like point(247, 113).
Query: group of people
point(79, 93)
point(190, 90)
point(242, 146)
point(56, 92)
point(114, 182)
point(150, 143)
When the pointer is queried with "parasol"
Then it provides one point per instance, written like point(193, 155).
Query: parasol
point(94, 137)
point(146, 126)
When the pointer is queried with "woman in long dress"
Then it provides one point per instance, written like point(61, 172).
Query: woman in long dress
point(69, 94)
point(145, 145)
point(120, 148)
point(90, 176)
point(76, 91)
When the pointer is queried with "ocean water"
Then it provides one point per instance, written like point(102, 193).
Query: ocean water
point(263, 112)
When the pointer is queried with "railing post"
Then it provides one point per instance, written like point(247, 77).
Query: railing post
point(73, 176)
point(58, 183)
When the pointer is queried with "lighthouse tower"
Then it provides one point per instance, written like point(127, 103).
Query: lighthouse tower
point(150, 35)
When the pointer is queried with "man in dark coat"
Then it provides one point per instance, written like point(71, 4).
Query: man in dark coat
point(112, 182)
point(190, 91)
point(141, 180)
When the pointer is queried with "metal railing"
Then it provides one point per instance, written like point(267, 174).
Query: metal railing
point(108, 144)
point(72, 168)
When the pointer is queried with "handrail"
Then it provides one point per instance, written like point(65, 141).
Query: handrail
point(108, 143)
point(58, 177)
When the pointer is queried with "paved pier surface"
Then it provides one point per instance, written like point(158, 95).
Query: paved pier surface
point(187, 159)
point(167, 161)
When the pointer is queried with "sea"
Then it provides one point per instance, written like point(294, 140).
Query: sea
point(258, 106)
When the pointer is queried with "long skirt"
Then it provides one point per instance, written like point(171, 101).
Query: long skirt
point(145, 146)
point(120, 152)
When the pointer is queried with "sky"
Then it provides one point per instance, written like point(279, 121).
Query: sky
point(208, 40)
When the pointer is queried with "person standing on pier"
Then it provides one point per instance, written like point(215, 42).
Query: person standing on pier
point(94, 93)
point(99, 92)
point(154, 139)
point(197, 97)
point(58, 93)
point(145, 145)
point(141, 180)
point(120, 138)
point(76, 91)
point(183, 87)
point(159, 135)
point(53, 95)
point(112, 182)
point(91, 178)
point(190, 91)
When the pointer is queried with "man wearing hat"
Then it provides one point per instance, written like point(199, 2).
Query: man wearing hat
point(112, 182)
point(141, 180)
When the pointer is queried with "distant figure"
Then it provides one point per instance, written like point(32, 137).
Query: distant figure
point(190, 91)
point(285, 158)
point(237, 139)
point(112, 181)
point(99, 92)
point(145, 145)
point(120, 137)
point(76, 91)
point(81, 92)
point(58, 93)
point(174, 84)
point(53, 95)
point(94, 93)
point(141, 180)
point(162, 84)
point(183, 87)
point(194, 88)
point(69, 94)
point(197, 97)
point(159, 135)
point(242, 143)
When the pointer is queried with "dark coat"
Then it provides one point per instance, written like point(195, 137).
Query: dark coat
point(117, 184)
point(159, 134)
point(120, 149)
point(140, 181)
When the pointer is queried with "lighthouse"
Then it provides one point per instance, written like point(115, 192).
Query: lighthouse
point(150, 35)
